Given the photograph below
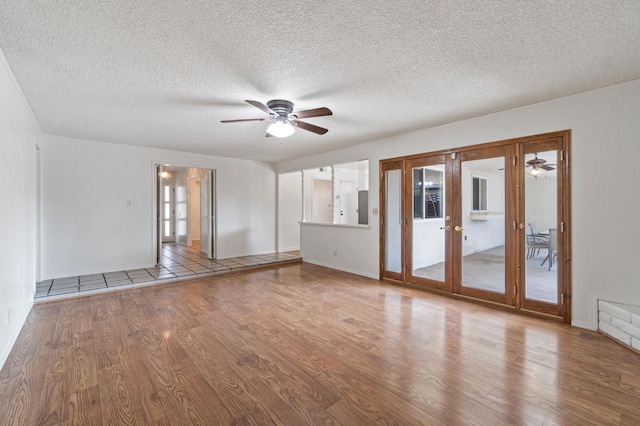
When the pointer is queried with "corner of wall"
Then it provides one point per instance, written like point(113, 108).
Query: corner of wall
point(14, 333)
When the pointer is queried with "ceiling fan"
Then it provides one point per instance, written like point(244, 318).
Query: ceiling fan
point(284, 119)
point(537, 164)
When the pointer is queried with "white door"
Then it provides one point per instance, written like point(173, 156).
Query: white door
point(348, 202)
point(204, 211)
point(321, 201)
point(167, 211)
point(210, 192)
point(193, 222)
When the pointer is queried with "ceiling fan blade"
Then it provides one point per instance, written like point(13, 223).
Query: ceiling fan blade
point(244, 119)
point(544, 166)
point(310, 127)
point(317, 112)
point(268, 135)
point(261, 106)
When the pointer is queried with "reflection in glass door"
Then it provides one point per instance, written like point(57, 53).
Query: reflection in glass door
point(541, 268)
point(479, 228)
point(391, 220)
point(429, 225)
point(543, 255)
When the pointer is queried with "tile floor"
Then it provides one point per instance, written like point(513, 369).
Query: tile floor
point(178, 262)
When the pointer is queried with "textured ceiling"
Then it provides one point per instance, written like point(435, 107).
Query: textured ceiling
point(163, 73)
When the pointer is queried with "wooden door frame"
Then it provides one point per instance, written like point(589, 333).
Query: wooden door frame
point(384, 167)
point(513, 214)
point(563, 206)
point(510, 204)
point(425, 161)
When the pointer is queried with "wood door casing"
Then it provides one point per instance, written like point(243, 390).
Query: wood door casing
point(563, 230)
point(384, 272)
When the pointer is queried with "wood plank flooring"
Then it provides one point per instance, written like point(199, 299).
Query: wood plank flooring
point(302, 344)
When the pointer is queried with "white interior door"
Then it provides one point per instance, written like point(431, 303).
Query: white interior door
point(194, 197)
point(210, 190)
point(321, 201)
point(348, 202)
point(158, 215)
point(204, 209)
point(167, 207)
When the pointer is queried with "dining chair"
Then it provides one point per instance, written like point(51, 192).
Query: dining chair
point(553, 248)
point(535, 241)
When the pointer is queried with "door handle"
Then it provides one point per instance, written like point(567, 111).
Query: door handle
point(458, 228)
point(446, 228)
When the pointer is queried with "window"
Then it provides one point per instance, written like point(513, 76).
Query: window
point(337, 194)
point(479, 194)
point(428, 193)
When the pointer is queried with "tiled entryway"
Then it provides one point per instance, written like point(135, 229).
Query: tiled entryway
point(177, 262)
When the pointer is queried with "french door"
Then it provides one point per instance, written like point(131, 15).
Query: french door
point(481, 239)
point(392, 220)
point(428, 199)
point(488, 222)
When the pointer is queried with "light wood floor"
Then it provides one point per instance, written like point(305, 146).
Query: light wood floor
point(303, 344)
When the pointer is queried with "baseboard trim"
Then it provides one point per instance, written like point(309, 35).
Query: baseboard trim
point(13, 337)
point(351, 271)
point(583, 324)
point(280, 250)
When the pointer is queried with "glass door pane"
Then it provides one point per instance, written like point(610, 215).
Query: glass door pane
point(392, 220)
point(541, 229)
point(393, 207)
point(428, 226)
point(542, 176)
point(480, 229)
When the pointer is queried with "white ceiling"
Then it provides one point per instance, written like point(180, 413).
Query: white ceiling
point(163, 73)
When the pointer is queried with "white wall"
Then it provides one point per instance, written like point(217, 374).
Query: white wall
point(604, 124)
point(19, 134)
point(541, 205)
point(89, 226)
point(482, 234)
point(428, 242)
point(289, 211)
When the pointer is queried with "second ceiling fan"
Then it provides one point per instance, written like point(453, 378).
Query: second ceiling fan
point(538, 165)
point(284, 118)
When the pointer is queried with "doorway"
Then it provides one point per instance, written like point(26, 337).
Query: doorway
point(347, 202)
point(321, 206)
point(488, 222)
point(185, 211)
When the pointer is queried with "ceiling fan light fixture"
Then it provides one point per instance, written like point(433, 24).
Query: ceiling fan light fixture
point(535, 171)
point(285, 119)
point(281, 129)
